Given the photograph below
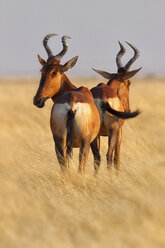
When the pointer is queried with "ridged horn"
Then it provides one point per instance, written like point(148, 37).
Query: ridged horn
point(65, 47)
point(47, 48)
point(119, 55)
point(136, 55)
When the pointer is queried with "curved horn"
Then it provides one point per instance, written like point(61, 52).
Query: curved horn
point(131, 61)
point(47, 48)
point(119, 55)
point(65, 47)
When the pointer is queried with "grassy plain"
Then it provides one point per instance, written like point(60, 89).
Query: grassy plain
point(40, 208)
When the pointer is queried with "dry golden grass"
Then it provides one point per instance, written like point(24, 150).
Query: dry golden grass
point(42, 208)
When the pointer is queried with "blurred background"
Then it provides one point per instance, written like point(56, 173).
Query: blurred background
point(39, 206)
point(95, 28)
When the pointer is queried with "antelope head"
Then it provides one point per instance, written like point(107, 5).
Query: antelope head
point(52, 72)
point(123, 74)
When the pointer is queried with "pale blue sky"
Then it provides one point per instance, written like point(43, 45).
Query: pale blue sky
point(95, 27)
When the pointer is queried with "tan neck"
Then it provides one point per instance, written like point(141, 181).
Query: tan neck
point(66, 85)
point(124, 97)
point(114, 85)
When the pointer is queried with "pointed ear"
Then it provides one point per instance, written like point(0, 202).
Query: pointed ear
point(68, 65)
point(41, 60)
point(127, 75)
point(105, 74)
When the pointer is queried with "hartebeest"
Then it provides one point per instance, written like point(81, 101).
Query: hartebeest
point(116, 94)
point(75, 119)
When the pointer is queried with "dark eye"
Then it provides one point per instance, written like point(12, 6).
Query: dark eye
point(54, 73)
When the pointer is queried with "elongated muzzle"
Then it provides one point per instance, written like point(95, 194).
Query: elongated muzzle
point(39, 102)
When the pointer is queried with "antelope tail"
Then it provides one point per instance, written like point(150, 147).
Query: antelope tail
point(122, 115)
point(69, 137)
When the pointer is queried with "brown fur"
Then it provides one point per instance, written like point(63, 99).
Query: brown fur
point(117, 94)
point(104, 91)
point(111, 126)
point(69, 129)
point(83, 93)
